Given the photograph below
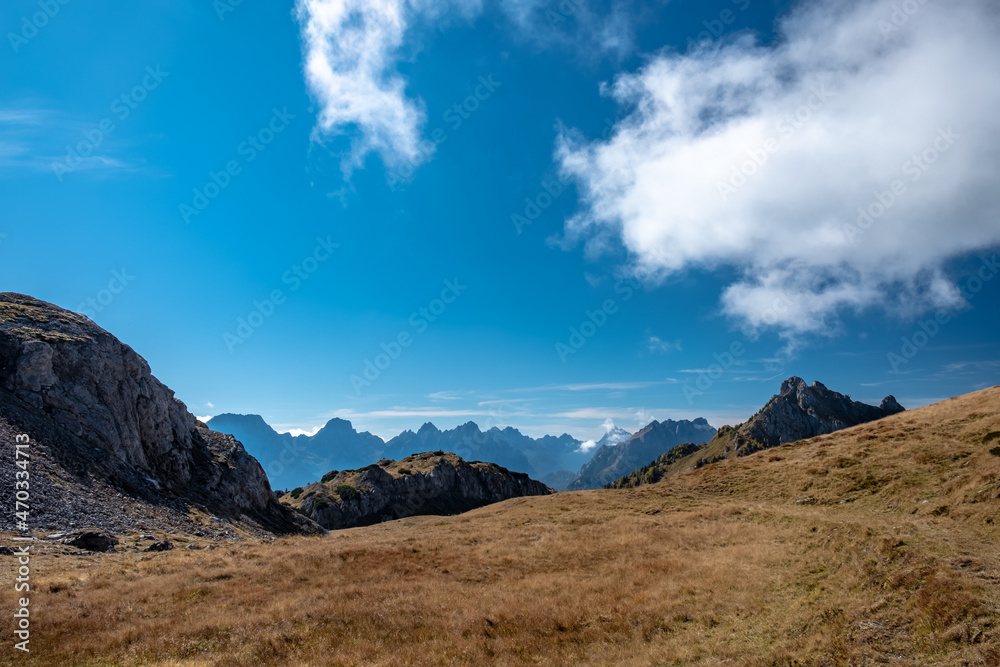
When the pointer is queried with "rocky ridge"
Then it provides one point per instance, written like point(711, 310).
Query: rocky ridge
point(427, 483)
point(799, 411)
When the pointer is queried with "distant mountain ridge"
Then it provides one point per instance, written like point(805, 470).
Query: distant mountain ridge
point(799, 411)
point(292, 461)
point(611, 461)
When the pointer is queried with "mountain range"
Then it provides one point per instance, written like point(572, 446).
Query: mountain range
point(114, 447)
point(561, 462)
point(799, 411)
point(612, 460)
point(292, 461)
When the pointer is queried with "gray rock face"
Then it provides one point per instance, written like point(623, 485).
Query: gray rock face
point(432, 484)
point(798, 412)
point(801, 411)
point(65, 378)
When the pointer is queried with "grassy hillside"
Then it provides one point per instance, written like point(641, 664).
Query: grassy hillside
point(873, 545)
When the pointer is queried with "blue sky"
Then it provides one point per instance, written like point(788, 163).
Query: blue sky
point(561, 213)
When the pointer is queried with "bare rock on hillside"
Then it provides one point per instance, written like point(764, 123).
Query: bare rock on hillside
point(429, 483)
point(108, 436)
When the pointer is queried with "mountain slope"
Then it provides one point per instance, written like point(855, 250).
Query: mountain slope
point(546, 455)
point(719, 566)
point(797, 412)
point(612, 461)
point(111, 444)
point(427, 483)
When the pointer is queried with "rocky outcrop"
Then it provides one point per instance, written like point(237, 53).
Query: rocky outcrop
point(100, 417)
point(466, 440)
point(612, 461)
point(799, 411)
point(429, 483)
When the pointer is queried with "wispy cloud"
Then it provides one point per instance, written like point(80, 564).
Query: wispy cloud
point(448, 395)
point(597, 386)
point(351, 48)
point(350, 51)
point(658, 345)
point(423, 413)
point(35, 139)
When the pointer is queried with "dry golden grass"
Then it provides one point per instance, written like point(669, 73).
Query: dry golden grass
point(718, 566)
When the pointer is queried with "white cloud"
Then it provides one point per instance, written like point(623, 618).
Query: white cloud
point(294, 432)
point(866, 104)
point(586, 447)
point(350, 49)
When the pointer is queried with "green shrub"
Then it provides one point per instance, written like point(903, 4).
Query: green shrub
point(296, 492)
point(404, 471)
point(320, 503)
point(995, 451)
point(346, 492)
point(308, 495)
point(328, 476)
point(438, 453)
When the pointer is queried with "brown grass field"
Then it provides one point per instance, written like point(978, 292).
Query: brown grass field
point(892, 561)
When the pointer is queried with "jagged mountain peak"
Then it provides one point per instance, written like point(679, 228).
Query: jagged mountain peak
point(891, 405)
point(657, 437)
point(468, 427)
point(613, 436)
point(428, 429)
point(799, 411)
